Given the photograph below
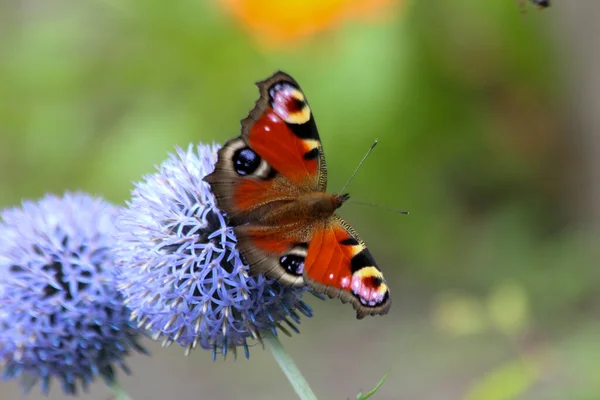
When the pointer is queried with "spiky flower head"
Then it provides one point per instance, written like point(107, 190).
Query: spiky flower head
point(180, 271)
point(61, 313)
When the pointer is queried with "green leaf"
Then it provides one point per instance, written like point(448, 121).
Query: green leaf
point(370, 393)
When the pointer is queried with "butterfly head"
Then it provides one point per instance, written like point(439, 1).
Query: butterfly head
point(339, 199)
point(318, 205)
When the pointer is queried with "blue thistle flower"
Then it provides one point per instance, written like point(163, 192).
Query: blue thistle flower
point(62, 315)
point(180, 271)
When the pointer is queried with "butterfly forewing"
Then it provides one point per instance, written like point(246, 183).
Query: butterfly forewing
point(282, 114)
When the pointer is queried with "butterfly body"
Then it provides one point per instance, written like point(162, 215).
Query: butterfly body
point(271, 182)
point(307, 208)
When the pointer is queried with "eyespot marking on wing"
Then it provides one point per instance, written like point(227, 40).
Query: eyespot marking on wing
point(293, 259)
point(289, 103)
point(246, 162)
point(369, 286)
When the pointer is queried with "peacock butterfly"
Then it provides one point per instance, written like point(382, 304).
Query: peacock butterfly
point(538, 3)
point(271, 182)
point(541, 3)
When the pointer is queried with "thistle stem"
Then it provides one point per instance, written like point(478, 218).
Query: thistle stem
point(289, 368)
point(118, 392)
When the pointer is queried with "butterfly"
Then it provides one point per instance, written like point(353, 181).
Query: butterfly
point(539, 3)
point(271, 183)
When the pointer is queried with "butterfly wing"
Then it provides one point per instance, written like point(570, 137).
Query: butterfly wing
point(278, 252)
point(339, 264)
point(277, 158)
point(282, 129)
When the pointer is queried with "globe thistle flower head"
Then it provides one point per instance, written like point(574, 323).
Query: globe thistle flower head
point(179, 268)
point(62, 315)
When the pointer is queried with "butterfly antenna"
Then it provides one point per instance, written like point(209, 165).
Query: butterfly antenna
point(378, 206)
point(359, 165)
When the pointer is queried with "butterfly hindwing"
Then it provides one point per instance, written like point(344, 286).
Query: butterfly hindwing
point(339, 264)
point(278, 252)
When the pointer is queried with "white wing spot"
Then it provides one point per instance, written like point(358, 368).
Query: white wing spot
point(345, 282)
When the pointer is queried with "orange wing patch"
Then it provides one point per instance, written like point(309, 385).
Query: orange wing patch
point(268, 240)
point(292, 157)
point(327, 261)
point(339, 264)
point(251, 193)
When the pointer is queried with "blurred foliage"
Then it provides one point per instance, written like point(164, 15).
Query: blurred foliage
point(466, 98)
point(507, 382)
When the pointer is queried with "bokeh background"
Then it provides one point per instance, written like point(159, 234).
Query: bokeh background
point(488, 122)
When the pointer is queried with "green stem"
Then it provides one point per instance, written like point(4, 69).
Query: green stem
point(287, 364)
point(118, 392)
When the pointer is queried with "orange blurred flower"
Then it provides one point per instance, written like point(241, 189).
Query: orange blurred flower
point(276, 22)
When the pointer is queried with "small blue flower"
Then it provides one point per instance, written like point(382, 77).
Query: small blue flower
point(180, 271)
point(62, 315)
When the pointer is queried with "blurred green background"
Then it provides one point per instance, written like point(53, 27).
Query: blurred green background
point(487, 120)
